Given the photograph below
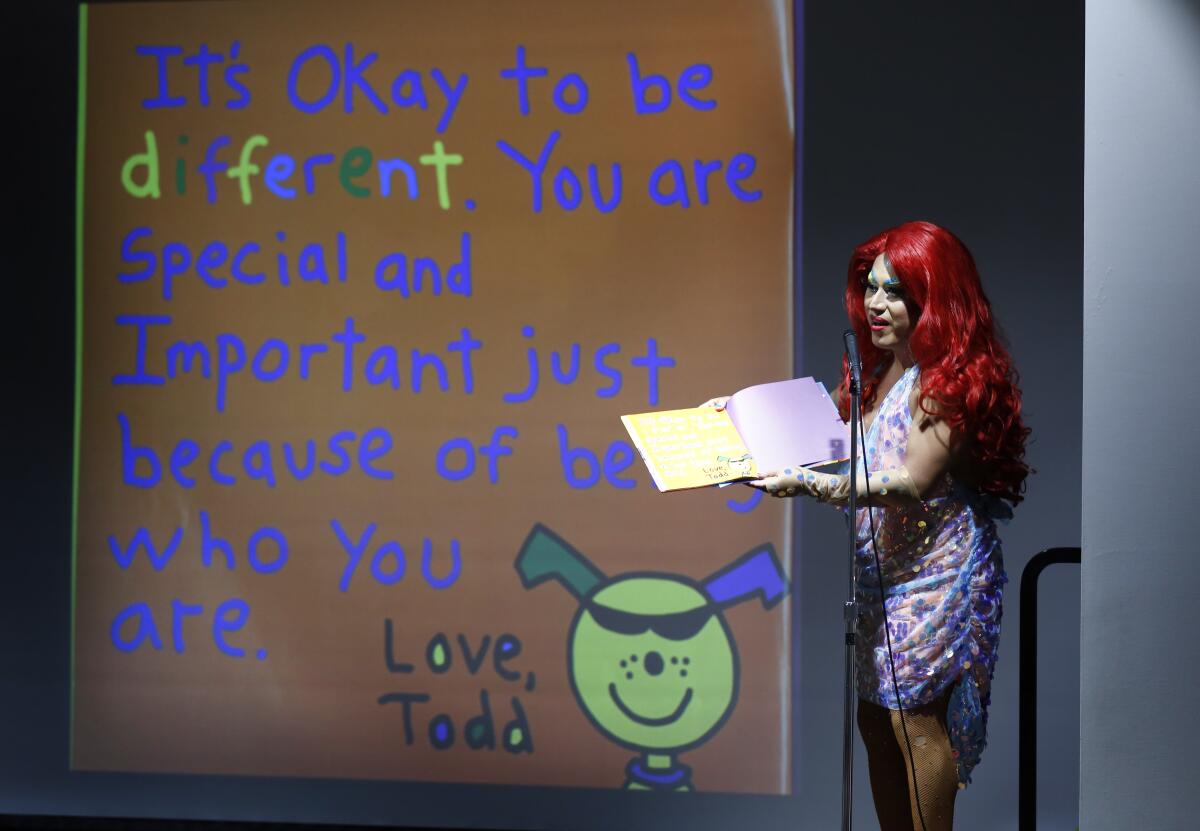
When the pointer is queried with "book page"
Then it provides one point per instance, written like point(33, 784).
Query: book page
point(690, 448)
point(787, 423)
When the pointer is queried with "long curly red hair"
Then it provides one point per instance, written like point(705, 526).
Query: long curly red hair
point(967, 376)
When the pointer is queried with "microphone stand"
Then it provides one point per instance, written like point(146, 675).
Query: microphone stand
point(851, 605)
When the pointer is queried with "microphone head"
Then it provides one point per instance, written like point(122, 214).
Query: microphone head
point(851, 342)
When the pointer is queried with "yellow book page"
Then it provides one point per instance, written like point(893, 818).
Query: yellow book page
point(690, 448)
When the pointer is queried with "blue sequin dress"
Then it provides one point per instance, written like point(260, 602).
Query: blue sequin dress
point(943, 578)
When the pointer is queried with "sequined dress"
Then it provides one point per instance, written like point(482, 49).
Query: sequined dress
point(943, 578)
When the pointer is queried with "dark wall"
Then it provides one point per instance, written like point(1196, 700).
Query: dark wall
point(969, 115)
point(39, 329)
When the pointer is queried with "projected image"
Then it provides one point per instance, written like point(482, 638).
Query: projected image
point(651, 658)
point(363, 292)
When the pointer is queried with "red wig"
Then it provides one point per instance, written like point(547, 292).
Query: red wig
point(967, 376)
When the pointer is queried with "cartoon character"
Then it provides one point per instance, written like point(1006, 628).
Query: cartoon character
point(650, 656)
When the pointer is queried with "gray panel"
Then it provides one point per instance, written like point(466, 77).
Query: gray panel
point(1138, 671)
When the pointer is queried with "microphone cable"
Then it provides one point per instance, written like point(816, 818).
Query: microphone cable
point(887, 630)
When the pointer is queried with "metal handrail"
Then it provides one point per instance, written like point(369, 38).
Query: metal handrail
point(1027, 687)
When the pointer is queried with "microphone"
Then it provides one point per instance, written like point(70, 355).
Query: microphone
point(851, 342)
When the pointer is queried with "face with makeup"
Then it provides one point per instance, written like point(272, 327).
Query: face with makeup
point(886, 307)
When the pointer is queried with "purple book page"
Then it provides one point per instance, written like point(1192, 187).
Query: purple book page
point(788, 423)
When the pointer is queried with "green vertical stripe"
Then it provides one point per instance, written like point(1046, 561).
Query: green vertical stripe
point(80, 144)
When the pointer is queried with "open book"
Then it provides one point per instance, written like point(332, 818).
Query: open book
point(764, 428)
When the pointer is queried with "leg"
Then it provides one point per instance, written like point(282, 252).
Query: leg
point(936, 768)
point(885, 761)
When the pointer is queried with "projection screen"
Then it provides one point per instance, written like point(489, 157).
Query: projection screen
point(363, 290)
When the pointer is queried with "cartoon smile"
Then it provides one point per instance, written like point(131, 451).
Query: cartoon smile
point(640, 626)
point(646, 720)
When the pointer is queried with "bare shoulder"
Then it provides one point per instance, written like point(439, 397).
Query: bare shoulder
point(925, 410)
point(928, 455)
point(926, 416)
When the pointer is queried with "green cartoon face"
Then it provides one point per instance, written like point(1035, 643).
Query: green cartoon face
point(653, 663)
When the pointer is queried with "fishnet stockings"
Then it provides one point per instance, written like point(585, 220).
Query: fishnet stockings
point(891, 774)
